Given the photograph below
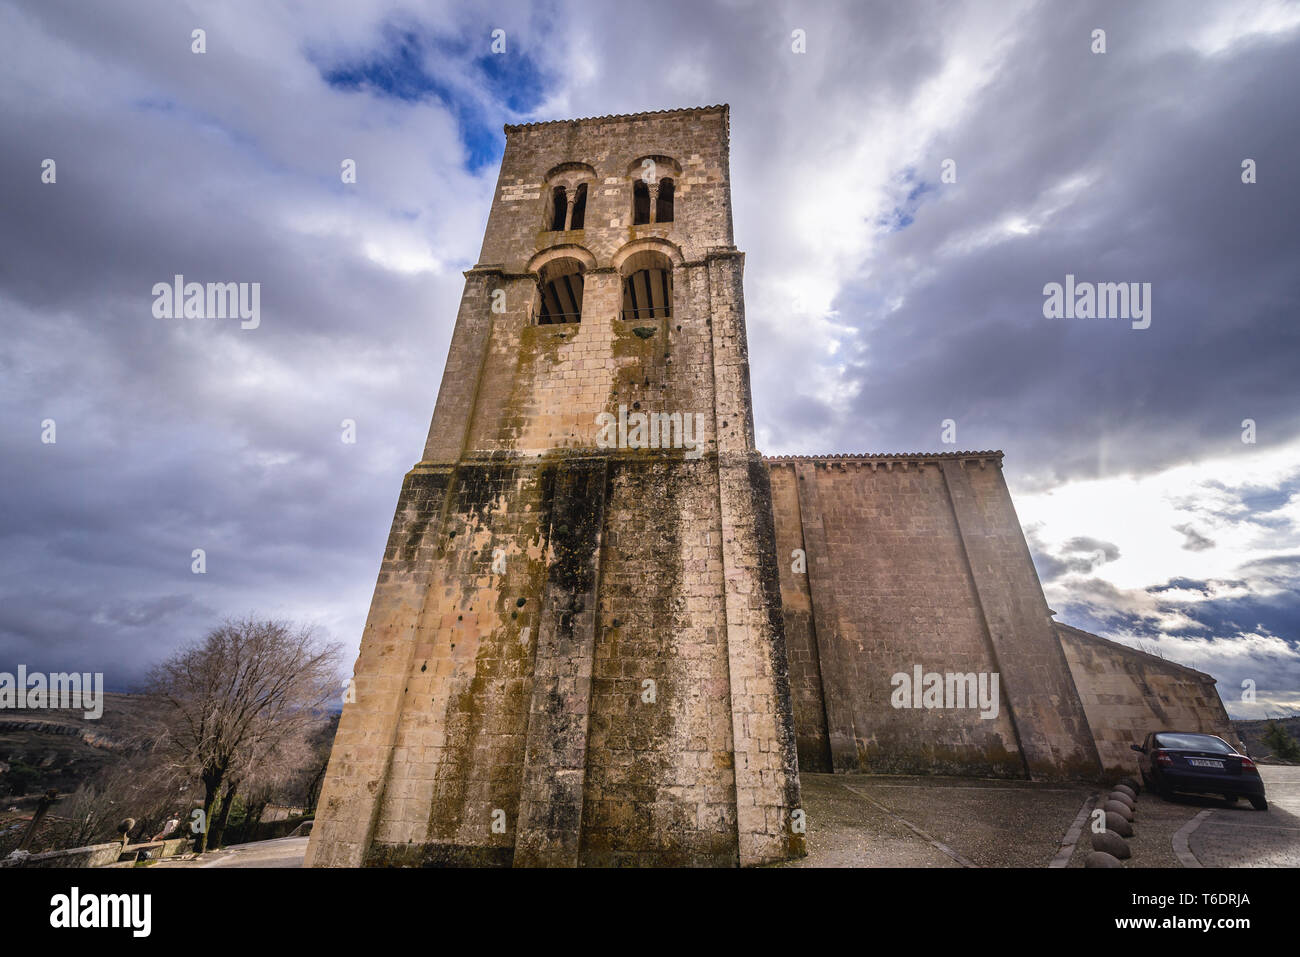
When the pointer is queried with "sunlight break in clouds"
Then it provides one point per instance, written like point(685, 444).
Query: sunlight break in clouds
point(1141, 515)
point(1192, 598)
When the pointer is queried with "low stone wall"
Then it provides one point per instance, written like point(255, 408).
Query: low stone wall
point(98, 855)
point(1127, 694)
point(271, 830)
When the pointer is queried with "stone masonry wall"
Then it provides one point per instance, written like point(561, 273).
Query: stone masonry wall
point(807, 694)
point(347, 809)
point(459, 743)
point(660, 775)
point(1128, 694)
point(918, 560)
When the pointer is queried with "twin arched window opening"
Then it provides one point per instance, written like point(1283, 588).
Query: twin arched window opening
point(647, 280)
point(652, 202)
point(566, 214)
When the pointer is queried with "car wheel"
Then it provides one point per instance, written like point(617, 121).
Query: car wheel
point(1259, 803)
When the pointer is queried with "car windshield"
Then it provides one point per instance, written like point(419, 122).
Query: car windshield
point(1193, 742)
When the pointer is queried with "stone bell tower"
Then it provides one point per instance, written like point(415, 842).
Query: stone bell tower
point(574, 654)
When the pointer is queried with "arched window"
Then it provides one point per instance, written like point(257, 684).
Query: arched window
point(654, 188)
point(664, 202)
point(559, 287)
point(647, 286)
point(559, 207)
point(640, 203)
point(565, 196)
point(579, 207)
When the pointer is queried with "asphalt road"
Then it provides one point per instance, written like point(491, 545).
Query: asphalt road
point(1241, 837)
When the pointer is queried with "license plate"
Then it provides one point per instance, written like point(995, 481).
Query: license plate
point(1205, 763)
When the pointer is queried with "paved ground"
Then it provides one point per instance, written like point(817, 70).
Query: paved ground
point(891, 821)
point(1216, 833)
point(887, 821)
point(284, 852)
point(1242, 837)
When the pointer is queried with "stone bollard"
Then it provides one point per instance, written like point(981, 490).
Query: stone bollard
point(1120, 808)
point(1111, 843)
point(1118, 824)
point(1123, 799)
point(1102, 859)
point(1132, 784)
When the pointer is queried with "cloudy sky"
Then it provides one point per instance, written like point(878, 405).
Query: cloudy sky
point(883, 297)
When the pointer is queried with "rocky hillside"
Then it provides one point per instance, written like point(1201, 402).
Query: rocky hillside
point(60, 748)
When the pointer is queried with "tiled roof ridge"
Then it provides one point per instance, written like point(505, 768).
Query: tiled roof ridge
point(883, 455)
point(620, 116)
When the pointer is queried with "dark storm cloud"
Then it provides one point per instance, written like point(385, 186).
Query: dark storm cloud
point(176, 435)
point(1157, 198)
point(1080, 555)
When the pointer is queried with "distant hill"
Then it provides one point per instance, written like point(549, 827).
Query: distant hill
point(1252, 735)
point(42, 748)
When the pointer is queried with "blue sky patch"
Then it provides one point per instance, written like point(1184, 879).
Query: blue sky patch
point(480, 91)
point(904, 214)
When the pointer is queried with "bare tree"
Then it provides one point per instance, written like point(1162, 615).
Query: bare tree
point(264, 770)
point(270, 775)
point(322, 743)
point(248, 688)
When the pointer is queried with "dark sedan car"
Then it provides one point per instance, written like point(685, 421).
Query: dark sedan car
point(1198, 764)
